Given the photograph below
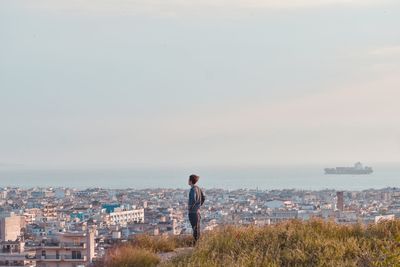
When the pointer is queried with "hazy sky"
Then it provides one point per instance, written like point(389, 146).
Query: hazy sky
point(213, 82)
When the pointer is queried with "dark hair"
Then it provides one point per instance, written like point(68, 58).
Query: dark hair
point(194, 178)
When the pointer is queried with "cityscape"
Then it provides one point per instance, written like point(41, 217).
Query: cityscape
point(55, 227)
point(214, 133)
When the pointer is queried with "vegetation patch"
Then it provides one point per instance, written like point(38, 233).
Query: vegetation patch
point(292, 243)
point(296, 243)
point(130, 256)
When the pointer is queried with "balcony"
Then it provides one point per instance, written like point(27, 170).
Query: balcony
point(73, 245)
point(50, 245)
point(48, 258)
point(62, 245)
point(71, 258)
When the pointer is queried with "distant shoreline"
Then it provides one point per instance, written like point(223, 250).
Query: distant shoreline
point(267, 178)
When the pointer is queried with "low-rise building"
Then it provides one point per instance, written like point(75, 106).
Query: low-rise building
point(67, 249)
point(124, 217)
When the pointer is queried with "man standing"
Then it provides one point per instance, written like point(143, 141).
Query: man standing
point(196, 200)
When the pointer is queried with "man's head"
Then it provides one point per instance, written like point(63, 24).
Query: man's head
point(193, 179)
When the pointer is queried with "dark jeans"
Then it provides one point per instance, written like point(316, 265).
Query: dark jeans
point(194, 219)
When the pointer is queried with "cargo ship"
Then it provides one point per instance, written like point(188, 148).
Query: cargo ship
point(358, 168)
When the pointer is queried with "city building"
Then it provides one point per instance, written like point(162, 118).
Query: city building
point(10, 227)
point(124, 217)
point(12, 254)
point(340, 200)
point(67, 249)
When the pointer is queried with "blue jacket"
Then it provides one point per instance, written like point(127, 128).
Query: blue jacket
point(196, 199)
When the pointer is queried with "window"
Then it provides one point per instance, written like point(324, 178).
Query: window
point(76, 255)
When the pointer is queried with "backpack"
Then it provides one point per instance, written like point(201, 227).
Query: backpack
point(203, 197)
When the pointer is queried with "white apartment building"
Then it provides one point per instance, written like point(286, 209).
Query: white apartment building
point(123, 217)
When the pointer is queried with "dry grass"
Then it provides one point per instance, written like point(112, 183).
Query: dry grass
point(161, 243)
point(142, 251)
point(130, 256)
point(295, 243)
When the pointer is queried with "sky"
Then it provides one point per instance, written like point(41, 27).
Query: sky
point(198, 83)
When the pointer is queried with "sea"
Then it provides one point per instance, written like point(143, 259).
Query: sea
point(304, 177)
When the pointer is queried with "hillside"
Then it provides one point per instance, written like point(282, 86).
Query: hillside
point(294, 243)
